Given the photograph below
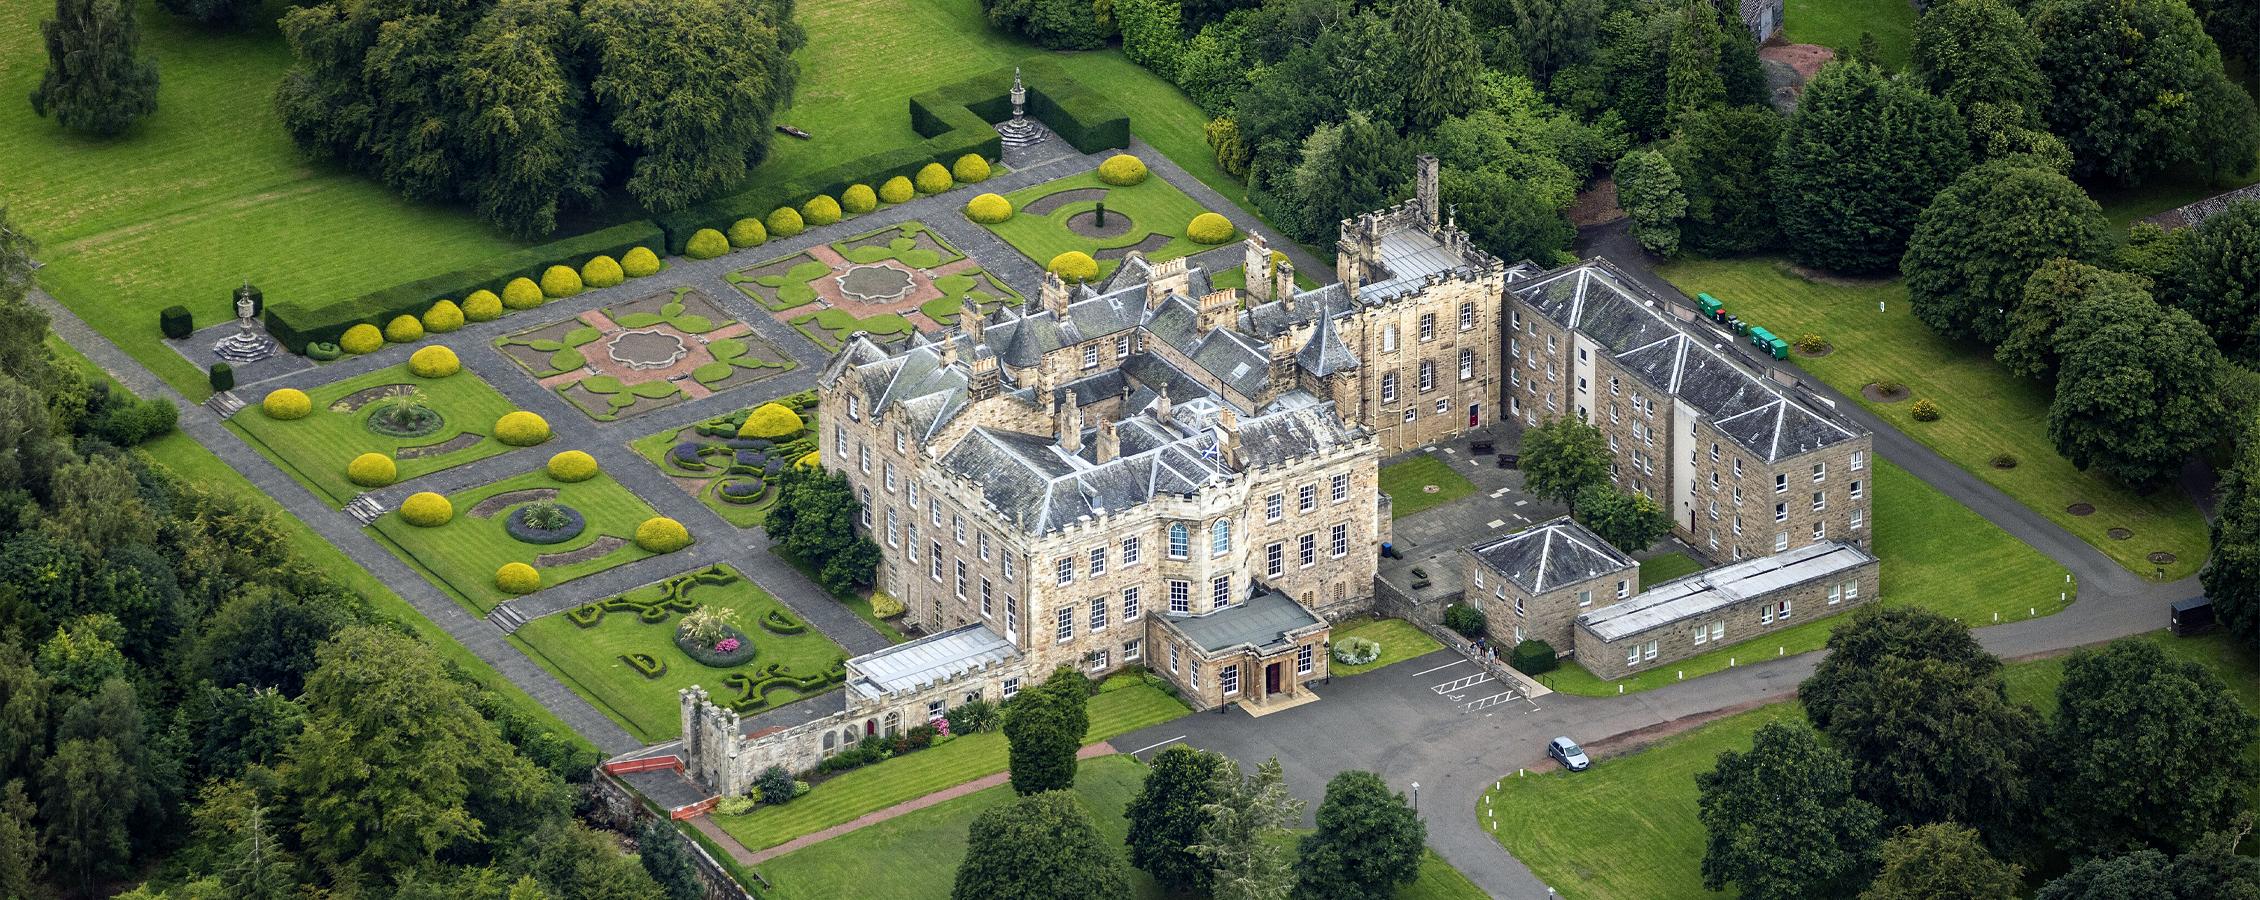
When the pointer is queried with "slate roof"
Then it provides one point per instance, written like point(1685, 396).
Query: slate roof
point(1551, 554)
point(928, 660)
point(1707, 592)
point(1594, 299)
point(1263, 624)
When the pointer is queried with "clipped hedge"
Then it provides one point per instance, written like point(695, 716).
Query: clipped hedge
point(571, 466)
point(748, 232)
point(1123, 170)
point(640, 262)
point(517, 578)
point(859, 199)
point(221, 376)
point(706, 244)
point(1075, 267)
point(176, 322)
point(434, 361)
point(372, 470)
point(362, 338)
point(1080, 115)
point(443, 317)
point(482, 306)
point(897, 190)
point(404, 329)
point(932, 179)
point(820, 210)
point(286, 404)
point(1209, 228)
point(660, 534)
point(970, 169)
point(425, 509)
point(521, 429)
point(323, 351)
point(298, 322)
point(521, 293)
point(785, 222)
point(602, 272)
point(560, 281)
point(988, 209)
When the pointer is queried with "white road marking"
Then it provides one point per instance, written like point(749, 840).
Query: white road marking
point(1162, 744)
point(1438, 668)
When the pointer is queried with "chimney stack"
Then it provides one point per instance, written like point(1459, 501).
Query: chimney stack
point(1055, 295)
point(972, 322)
point(1228, 439)
point(983, 384)
point(1218, 308)
point(1110, 443)
point(1283, 283)
point(1255, 261)
point(1069, 427)
point(1424, 190)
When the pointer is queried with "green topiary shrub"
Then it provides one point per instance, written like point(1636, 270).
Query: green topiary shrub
point(521, 429)
point(858, 199)
point(517, 578)
point(1924, 411)
point(443, 317)
point(176, 322)
point(521, 293)
point(571, 466)
point(1466, 620)
point(558, 282)
point(640, 263)
point(706, 244)
point(933, 179)
point(820, 210)
point(988, 209)
point(897, 190)
point(1075, 267)
point(771, 421)
point(362, 338)
point(371, 470)
point(660, 534)
point(222, 376)
point(1209, 228)
point(970, 169)
point(1534, 657)
point(602, 272)
point(434, 361)
point(784, 222)
point(748, 232)
point(404, 329)
point(482, 306)
point(425, 509)
point(286, 404)
point(1122, 170)
point(323, 351)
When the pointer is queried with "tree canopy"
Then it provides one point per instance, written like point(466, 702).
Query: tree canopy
point(1042, 846)
point(1781, 819)
point(1368, 842)
point(2137, 90)
point(1941, 861)
point(1168, 814)
point(1043, 730)
point(96, 79)
point(1980, 239)
point(1562, 456)
point(2215, 277)
point(2058, 286)
point(1862, 157)
point(2137, 391)
point(1724, 158)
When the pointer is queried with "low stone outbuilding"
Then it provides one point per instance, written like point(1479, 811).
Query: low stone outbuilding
point(1735, 602)
point(1532, 584)
point(1260, 653)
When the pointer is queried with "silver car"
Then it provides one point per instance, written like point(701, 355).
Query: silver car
point(1571, 756)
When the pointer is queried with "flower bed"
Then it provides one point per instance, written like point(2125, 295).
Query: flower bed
point(570, 527)
point(740, 651)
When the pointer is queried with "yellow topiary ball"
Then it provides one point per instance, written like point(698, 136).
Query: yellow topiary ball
point(640, 263)
point(517, 578)
point(425, 509)
point(371, 470)
point(660, 534)
point(560, 281)
point(706, 244)
point(404, 329)
point(988, 209)
point(443, 317)
point(571, 466)
point(482, 306)
point(434, 361)
point(885, 606)
point(1209, 228)
point(602, 272)
point(521, 293)
point(820, 210)
point(807, 461)
point(859, 199)
point(1122, 170)
point(1074, 267)
point(362, 338)
point(784, 222)
point(748, 232)
point(286, 404)
point(970, 169)
point(933, 179)
point(771, 421)
point(521, 429)
point(897, 190)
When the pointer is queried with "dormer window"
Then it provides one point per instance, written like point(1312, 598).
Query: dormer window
point(855, 408)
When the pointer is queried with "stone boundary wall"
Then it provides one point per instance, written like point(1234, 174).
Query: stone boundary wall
point(619, 807)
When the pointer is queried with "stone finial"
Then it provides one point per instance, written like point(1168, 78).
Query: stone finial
point(1055, 295)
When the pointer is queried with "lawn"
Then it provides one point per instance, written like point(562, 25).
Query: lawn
point(210, 190)
point(1627, 828)
point(462, 555)
point(1154, 208)
point(1838, 24)
point(1407, 483)
point(594, 658)
point(1400, 640)
point(731, 481)
point(1665, 567)
point(315, 449)
point(1987, 411)
point(963, 759)
point(1934, 553)
point(922, 845)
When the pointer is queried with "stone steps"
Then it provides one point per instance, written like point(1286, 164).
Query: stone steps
point(506, 617)
point(224, 404)
point(365, 509)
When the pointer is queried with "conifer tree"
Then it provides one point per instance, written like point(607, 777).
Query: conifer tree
point(96, 80)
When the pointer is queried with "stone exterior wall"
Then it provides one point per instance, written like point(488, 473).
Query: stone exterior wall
point(617, 808)
point(1750, 618)
point(1744, 493)
point(1200, 678)
point(1546, 615)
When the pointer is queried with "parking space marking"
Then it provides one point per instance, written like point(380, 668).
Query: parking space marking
point(1439, 668)
point(1162, 744)
point(1494, 523)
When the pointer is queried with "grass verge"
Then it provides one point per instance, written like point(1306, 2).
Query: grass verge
point(1407, 485)
point(1399, 641)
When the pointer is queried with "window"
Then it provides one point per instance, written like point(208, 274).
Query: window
point(1098, 614)
point(1859, 460)
point(1519, 610)
point(1782, 611)
point(1780, 541)
point(1194, 675)
point(911, 485)
point(1738, 495)
point(934, 511)
point(899, 441)
point(1011, 616)
point(1549, 343)
point(1131, 648)
point(1780, 483)
point(1859, 517)
point(1467, 364)
point(1229, 679)
point(1066, 568)
point(1714, 479)
point(982, 540)
point(1820, 500)
point(1718, 631)
point(1441, 405)
point(1306, 498)
point(1341, 540)
point(854, 408)
point(1130, 551)
point(1624, 588)
point(1835, 594)
point(1180, 596)
point(1648, 652)
point(1173, 657)
point(1388, 387)
point(1098, 561)
point(1388, 338)
point(1220, 538)
point(1274, 559)
point(957, 528)
point(1099, 660)
point(1007, 561)
point(1738, 468)
point(1180, 541)
point(1714, 458)
point(1851, 590)
point(1011, 686)
point(1427, 326)
point(1090, 356)
point(1274, 507)
point(1130, 604)
point(863, 457)
point(935, 709)
point(988, 598)
point(1820, 530)
point(1584, 598)
point(1855, 489)
point(1306, 550)
point(1339, 486)
point(1066, 619)
point(1303, 659)
point(1820, 472)
point(1467, 316)
point(1220, 591)
point(1121, 346)
point(1411, 411)
point(839, 437)
point(891, 531)
point(1702, 634)
point(1781, 512)
point(1427, 376)
point(961, 579)
point(1632, 655)
point(934, 563)
point(1714, 510)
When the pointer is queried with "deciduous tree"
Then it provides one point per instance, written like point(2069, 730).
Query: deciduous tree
point(1051, 24)
point(1723, 156)
point(96, 80)
point(1858, 163)
point(2054, 289)
point(1043, 730)
point(690, 87)
point(1980, 239)
point(1931, 741)
point(1873, 634)
point(1631, 522)
point(2136, 90)
point(1039, 847)
point(1167, 816)
point(2216, 278)
point(1941, 861)
point(2232, 573)
point(1782, 821)
point(2148, 752)
point(2137, 391)
point(1649, 191)
point(1368, 842)
point(1562, 456)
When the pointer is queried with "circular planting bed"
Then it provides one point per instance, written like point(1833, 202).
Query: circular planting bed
point(647, 349)
point(739, 655)
point(533, 523)
point(1879, 394)
point(875, 284)
point(1086, 223)
point(2081, 509)
point(2163, 558)
point(404, 422)
point(2119, 534)
point(1824, 350)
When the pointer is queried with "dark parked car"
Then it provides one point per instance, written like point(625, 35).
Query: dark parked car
point(1566, 752)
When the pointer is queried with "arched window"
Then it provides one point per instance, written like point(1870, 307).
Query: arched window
point(1220, 538)
point(894, 723)
point(1180, 541)
point(849, 735)
point(830, 743)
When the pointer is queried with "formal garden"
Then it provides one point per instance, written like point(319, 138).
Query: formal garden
point(730, 463)
point(371, 430)
point(646, 354)
point(521, 534)
point(714, 628)
point(1099, 217)
point(888, 283)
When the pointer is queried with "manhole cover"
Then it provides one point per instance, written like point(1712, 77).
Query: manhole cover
point(1429, 489)
point(2162, 558)
point(874, 284)
point(2119, 534)
point(2081, 509)
point(647, 349)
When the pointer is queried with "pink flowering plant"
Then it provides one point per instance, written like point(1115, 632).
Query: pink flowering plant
point(727, 645)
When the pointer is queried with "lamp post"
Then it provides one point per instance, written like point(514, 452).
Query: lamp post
point(1416, 798)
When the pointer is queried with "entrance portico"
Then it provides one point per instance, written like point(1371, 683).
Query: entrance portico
point(1260, 653)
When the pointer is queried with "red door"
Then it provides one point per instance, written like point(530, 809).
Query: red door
point(1474, 414)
